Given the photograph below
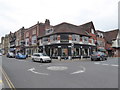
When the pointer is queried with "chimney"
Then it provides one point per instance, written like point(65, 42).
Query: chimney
point(47, 24)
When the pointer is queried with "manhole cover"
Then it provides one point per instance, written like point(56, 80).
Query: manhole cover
point(60, 68)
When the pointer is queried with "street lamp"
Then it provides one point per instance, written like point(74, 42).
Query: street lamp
point(72, 47)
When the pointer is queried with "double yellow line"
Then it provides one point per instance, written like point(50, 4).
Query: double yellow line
point(10, 84)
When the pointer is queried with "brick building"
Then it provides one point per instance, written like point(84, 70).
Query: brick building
point(12, 38)
point(112, 43)
point(6, 44)
point(68, 40)
point(100, 41)
point(20, 40)
point(31, 34)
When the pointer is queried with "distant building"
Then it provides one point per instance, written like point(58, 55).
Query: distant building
point(12, 38)
point(112, 39)
point(6, 44)
point(2, 45)
point(20, 40)
point(100, 41)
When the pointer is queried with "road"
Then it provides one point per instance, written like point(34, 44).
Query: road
point(61, 74)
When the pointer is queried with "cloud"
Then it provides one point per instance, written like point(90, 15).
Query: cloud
point(17, 13)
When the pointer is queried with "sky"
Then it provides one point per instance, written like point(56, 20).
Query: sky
point(14, 14)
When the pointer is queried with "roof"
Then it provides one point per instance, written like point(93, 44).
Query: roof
point(69, 28)
point(87, 26)
point(110, 35)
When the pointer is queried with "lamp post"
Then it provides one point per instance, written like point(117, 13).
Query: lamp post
point(72, 47)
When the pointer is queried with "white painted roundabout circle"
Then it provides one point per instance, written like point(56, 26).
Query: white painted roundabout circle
point(57, 68)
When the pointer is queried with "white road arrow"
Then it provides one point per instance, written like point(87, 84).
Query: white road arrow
point(80, 71)
point(33, 70)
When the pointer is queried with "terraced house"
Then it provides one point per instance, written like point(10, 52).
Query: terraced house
point(31, 34)
point(68, 40)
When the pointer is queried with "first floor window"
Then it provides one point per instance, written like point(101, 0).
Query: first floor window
point(34, 39)
point(26, 41)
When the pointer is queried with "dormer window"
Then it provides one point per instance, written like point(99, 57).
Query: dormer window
point(92, 31)
point(49, 31)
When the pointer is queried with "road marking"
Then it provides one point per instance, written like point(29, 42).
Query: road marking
point(32, 70)
point(23, 60)
point(80, 71)
point(0, 81)
point(57, 68)
point(105, 64)
point(96, 63)
point(10, 84)
point(114, 65)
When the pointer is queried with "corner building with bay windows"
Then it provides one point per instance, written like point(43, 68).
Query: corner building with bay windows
point(68, 41)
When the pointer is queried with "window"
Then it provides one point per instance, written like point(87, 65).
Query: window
point(27, 34)
point(92, 31)
point(49, 31)
point(26, 41)
point(118, 42)
point(100, 43)
point(34, 38)
point(85, 39)
point(45, 39)
point(34, 32)
point(64, 38)
point(75, 37)
point(53, 38)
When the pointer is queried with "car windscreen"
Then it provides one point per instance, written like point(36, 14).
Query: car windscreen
point(43, 54)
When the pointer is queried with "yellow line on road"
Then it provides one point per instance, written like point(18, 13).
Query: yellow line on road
point(10, 84)
point(0, 81)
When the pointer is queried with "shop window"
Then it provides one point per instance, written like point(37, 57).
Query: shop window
point(55, 52)
point(64, 52)
point(84, 52)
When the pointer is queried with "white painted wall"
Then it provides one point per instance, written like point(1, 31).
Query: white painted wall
point(115, 42)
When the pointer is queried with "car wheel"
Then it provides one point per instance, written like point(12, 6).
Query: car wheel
point(92, 59)
point(33, 60)
point(41, 60)
point(101, 59)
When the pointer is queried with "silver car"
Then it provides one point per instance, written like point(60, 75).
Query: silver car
point(41, 57)
point(98, 56)
point(10, 55)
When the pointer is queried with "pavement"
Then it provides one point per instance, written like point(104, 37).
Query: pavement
point(24, 73)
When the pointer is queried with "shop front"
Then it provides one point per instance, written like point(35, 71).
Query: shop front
point(67, 51)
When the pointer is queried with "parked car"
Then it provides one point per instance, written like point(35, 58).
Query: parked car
point(10, 55)
point(0, 54)
point(41, 57)
point(20, 56)
point(98, 56)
